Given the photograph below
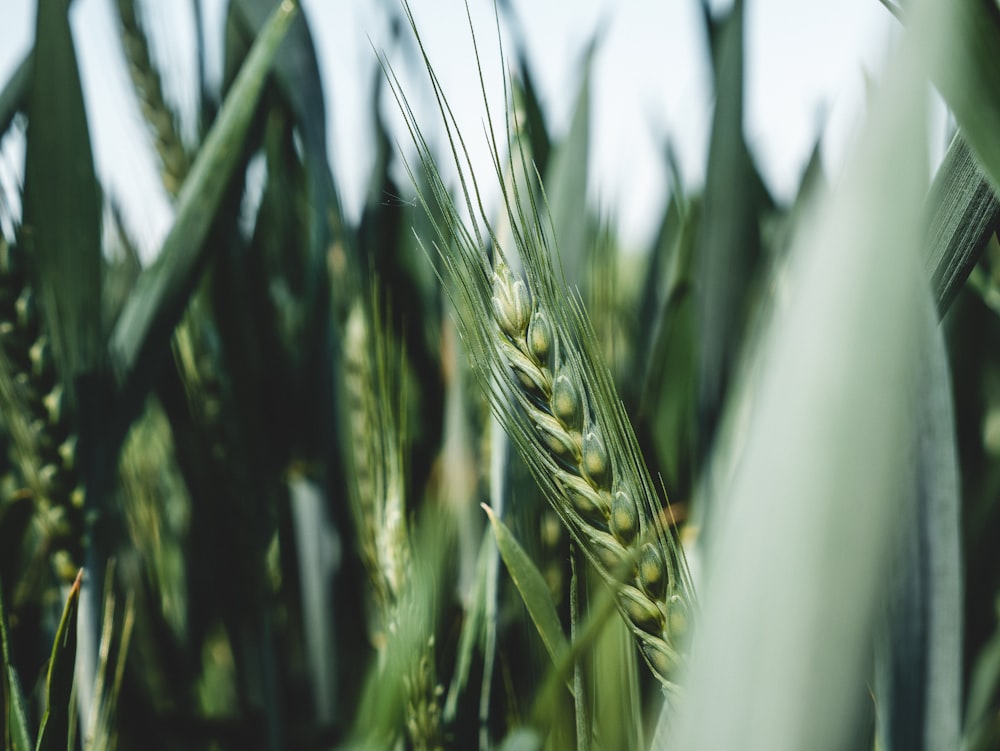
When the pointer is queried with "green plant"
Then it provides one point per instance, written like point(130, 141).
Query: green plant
point(399, 480)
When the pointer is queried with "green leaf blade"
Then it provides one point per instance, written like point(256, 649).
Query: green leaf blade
point(62, 207)
point(53, 735)
point(161, 292)
point(532, 587)
point(17, 735)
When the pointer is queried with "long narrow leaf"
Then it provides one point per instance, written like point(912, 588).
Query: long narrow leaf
point(963, 212)
point(54, 732)
point(532, 587)
point(62, 207)
point(812, 477)
point(963, 57)
point(140, 338)
point(13, 93)
point(566, 185)
point(728, 239)
point(17, 736)
point(918, 675)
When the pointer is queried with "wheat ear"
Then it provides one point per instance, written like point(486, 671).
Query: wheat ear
point(146, 81)
point(537, 357)
point(374, 372)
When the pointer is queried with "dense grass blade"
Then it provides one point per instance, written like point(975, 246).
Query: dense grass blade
point(54, 732)
point(141, 335)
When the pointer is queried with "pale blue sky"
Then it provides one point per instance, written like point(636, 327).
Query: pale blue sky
point(805, 75)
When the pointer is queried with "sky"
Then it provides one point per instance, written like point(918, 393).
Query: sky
point(805, 78)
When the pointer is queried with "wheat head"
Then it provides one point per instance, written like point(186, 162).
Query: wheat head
point(537, 356)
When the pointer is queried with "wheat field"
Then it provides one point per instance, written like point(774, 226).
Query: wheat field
point(466, 470)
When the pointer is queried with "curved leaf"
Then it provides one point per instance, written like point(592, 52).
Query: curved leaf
point(141, 335)
point(532, 587)
point(53, 735)
point(17, 735)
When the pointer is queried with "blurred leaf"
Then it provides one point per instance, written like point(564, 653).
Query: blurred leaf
point(534, 591)
point(140, 338)
point(472, 631)
point(16, 515)
point(296, 73)
point(964, 68)
point(387, 246)
point(668, 386)
point(526, 96)
point(963, 212)
point(566, 185)
point(62, 207)
point(982, 726)
point(53, 735)
point(522, 739)
point(13, 94)
point(811, 468)
point(728, 242)
point(918, 660)
point(16, 733)
point(656, 284)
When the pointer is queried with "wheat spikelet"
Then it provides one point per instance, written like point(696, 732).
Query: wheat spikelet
point(538, 358)
point(423, 707)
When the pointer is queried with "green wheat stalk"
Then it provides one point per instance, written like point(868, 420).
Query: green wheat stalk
point(539, 361)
